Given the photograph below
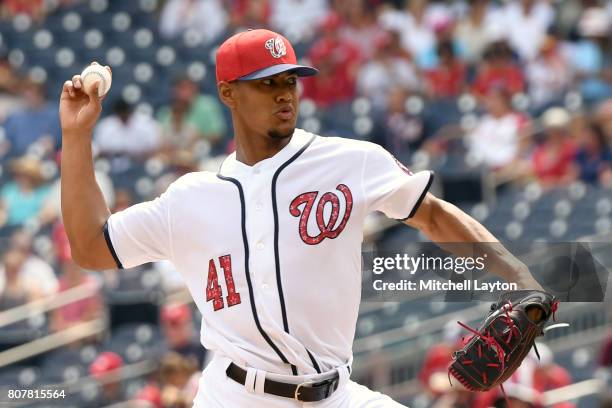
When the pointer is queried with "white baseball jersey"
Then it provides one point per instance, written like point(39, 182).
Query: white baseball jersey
point(271, 253)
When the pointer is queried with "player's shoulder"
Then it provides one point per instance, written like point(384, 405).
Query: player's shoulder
point(340, 144)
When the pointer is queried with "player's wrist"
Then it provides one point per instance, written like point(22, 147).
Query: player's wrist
point(526, 280)
point(76, 136)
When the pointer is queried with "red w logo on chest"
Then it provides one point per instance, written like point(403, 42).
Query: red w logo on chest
point(326, 228)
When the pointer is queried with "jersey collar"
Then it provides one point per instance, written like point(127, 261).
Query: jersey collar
point(232, 167)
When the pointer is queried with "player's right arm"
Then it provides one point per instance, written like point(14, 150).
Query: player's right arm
point(84, 210)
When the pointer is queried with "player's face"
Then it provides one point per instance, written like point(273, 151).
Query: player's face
point(269, 105)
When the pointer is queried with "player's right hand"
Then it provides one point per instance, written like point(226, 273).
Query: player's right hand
point(79, 108)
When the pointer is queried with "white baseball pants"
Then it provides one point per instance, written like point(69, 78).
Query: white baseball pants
point(217, 390)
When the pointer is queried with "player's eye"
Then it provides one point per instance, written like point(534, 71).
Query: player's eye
point(267, 82)
point(292, 80)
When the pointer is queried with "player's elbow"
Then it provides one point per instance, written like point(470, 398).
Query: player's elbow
point(93, 254)
point(90, 262)
point(429, 217)
point(81, 260)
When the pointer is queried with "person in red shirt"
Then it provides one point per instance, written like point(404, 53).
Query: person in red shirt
point(439, 356)
point(605, 357)
point(85, 309)
point(34, 8)
point(338, 61)
point(448, 78)
point(106, 369)
point(249, 13)
point(552, 160)
point(547, 375)
point(498, 69)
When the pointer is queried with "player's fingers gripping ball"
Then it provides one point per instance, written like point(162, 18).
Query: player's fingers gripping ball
point(96, 73)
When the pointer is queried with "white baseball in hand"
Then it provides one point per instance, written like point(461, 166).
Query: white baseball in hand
point(93, 73)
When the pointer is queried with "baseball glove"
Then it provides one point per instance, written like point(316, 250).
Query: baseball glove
point(496, 350)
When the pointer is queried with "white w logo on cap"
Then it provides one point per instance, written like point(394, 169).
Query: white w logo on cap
point(277, 47)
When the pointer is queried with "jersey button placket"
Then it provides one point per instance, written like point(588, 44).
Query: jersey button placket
point(260, 223)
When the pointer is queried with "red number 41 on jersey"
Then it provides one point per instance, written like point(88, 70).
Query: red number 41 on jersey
point(213, 289)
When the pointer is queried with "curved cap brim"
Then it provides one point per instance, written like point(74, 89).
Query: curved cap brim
point(300, 70)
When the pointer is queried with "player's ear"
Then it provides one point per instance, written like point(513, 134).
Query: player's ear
point(227, 94)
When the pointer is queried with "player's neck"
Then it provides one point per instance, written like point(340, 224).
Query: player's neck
point(252, 150)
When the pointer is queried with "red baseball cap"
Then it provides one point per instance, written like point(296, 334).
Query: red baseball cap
point(150, 394)
point(175, 313)
point(257, 54)
point(105, 363)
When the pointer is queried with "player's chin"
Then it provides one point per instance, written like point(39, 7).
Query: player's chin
point(282, 131)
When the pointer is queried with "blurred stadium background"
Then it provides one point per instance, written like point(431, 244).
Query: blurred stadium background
point(510, 102)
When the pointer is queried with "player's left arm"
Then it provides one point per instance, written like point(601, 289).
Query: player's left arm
point(444, 223)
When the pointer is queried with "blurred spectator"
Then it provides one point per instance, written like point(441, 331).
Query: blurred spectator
point(206, 17)
point(82, 310)
point(447, 79)
point(443, 27)
point(360, 27)
point(455, 396)
point(603, 118)
point(246, 14)
point(191, 117)
point(519, 396)
point(33, 8)
point(179, 333)
point(525, 23)
point(37, 122)
point(438, 357)
point(498, 70)
point(548, 375)
point(338, 61)
point(591, 56)
point(389, 62)
point(34, 270)
point(594, 157)
point(518, 389)
point(73, 276)
point(22, 198)
point(474, 31)
point(148, 397)
point(52, 205)
point(126, 132)
point(175, 372)
point(298, 19)
point(414, 24)
point(605, 356)
point(549, 75)
point(9, 93)
point(567, 16)
point(401, 132)
point(123, 200)
point(552, 158)
point(495, 141)
point(106, 368)
point(14, 289)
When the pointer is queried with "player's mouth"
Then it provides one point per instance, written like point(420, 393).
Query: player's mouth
point(285, 113)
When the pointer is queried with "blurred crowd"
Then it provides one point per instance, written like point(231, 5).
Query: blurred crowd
point(532, 79)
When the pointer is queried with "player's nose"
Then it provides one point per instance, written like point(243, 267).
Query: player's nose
point(285, 96)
